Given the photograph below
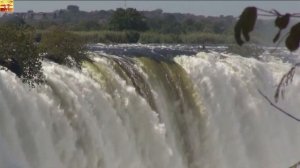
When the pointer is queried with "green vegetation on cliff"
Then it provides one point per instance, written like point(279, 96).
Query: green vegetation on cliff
point(63, 47)
point(19, 53)
point(22, 54)
point(131, 26)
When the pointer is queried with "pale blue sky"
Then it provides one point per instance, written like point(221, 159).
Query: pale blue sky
point(213, 8)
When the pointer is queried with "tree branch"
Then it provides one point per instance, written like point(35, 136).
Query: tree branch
point(284, 81)
point(268, 15)
point(278, 43)
point(295, 165)
point(266, 11)
point(278, 108)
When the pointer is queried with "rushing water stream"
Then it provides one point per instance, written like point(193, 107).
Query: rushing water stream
point(151, 107)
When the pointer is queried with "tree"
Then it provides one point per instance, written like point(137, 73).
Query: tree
point(247, 20)
point(246, 24)
point(73, 8)
point(13, 21)
point(127, 19)
point(63, 47)
point(191, 25)
point(132, 36)
point(171, 25)
point(19, 54)
point(88, 25)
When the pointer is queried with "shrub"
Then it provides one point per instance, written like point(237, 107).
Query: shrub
point(63, 47)
point(19, 54)
point(153, 37)
point(150, 37)
point(127, 19)
point(109, 36)
point(132, 36)
point(115, 37)
point(203, 38)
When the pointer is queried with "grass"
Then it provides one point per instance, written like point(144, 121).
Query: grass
point(154, 37)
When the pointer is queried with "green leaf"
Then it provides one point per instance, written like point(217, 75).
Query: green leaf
point(292, 41)
point(245, 24)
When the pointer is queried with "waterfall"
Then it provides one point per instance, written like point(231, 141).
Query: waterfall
point(200, 110)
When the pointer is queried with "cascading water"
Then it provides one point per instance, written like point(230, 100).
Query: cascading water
point(141, 107)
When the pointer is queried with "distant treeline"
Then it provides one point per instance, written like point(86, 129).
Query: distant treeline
point(130, 26)
point(26, 39)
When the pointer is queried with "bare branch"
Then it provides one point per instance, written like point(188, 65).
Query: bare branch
point(277, 13)
point(266, 11)
point(278, 108)
point(268, 15)
point(280, 41)
point(295, 14)
point(284, 81)
point(295, 165)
